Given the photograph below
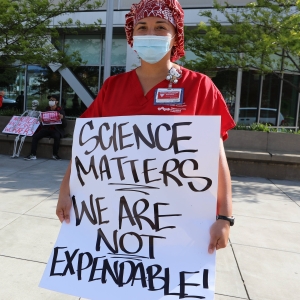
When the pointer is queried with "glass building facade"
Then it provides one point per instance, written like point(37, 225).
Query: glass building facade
point(271, 98)
point(40, 82)
point(277, 97)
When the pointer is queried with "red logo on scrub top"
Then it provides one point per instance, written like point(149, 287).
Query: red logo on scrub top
point(168, 95)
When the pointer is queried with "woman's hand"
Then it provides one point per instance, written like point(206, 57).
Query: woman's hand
point(219, 231)
point(63, 208)
point(219, 234)
point(64, 202)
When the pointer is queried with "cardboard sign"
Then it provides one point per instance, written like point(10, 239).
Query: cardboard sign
point(50, 118)
point(22, 125)
point(144, 192)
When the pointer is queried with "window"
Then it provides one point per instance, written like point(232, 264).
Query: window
point(119, 50)
point(88, 46)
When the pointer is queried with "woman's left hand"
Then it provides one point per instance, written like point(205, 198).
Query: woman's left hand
point(219, 234)
point(219, 231)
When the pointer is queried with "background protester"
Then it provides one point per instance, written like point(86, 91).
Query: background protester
point(55, 131)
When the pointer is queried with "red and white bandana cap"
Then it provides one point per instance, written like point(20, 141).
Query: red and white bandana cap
point(169, 10)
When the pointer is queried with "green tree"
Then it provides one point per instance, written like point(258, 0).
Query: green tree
point(27, 33)
point(263, 35)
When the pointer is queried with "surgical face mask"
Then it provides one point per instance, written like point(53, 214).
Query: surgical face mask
point(51, 103)
point(151, 48)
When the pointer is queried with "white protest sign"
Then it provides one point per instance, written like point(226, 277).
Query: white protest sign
point(22, 125)
point(144, 192)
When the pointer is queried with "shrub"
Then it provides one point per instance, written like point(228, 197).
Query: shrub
point(264, 128)
point(9, 112)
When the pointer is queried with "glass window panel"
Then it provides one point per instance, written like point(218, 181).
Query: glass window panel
point(225, 80)
point(74, 106)
point(41, 82)
point(289, 99)
point(89, 47)
point(250, 112)
point(266, 113)
point(249, 97)
point(270, 99)
point(270, 91)
point(12, 81)
point(114, 71)
point(89, 78)
point(242, 113)
point(250, 89)
point(119, 51)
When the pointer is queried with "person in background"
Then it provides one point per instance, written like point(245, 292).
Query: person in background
point(20, 102)
point(54, 131)
point(155, 30)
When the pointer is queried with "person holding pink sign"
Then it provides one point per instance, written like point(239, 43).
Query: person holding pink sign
point(53, 122)
point(155, 31)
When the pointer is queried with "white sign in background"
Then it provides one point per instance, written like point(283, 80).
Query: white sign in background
point(142, 209)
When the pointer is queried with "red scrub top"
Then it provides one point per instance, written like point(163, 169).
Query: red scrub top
point(122, 95)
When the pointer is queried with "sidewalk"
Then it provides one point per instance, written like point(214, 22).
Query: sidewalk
point(262, 261)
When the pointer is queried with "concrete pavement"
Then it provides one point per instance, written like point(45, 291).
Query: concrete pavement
point(261, 262)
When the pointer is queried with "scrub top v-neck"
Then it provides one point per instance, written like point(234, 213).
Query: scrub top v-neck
point(122, 95)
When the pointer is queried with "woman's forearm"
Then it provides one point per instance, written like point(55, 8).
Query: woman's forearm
point(224, 198)
point(219, 231)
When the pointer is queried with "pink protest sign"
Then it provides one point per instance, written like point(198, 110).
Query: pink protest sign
point(22, 125)
point(50, 118)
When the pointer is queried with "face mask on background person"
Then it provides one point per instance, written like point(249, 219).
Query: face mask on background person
point(51, 103)
point(151, 48)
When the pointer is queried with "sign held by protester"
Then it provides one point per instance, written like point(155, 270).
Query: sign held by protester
point(144, 192)
point(22, 125)
point(50, 118)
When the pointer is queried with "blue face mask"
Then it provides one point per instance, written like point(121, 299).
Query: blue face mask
point(151, 48)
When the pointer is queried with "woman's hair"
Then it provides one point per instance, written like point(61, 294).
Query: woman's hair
point(169, 10)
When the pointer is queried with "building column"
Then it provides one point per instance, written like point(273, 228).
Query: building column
point(108, 38)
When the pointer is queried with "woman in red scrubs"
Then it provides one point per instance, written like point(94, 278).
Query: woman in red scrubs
point(154, 29)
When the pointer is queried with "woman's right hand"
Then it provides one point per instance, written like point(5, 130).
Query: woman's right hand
point(63, 208)
point(64, 202)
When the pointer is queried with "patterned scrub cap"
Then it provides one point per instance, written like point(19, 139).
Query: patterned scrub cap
point(169, 10)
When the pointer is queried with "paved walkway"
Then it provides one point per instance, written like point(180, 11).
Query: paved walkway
point(262, 261)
